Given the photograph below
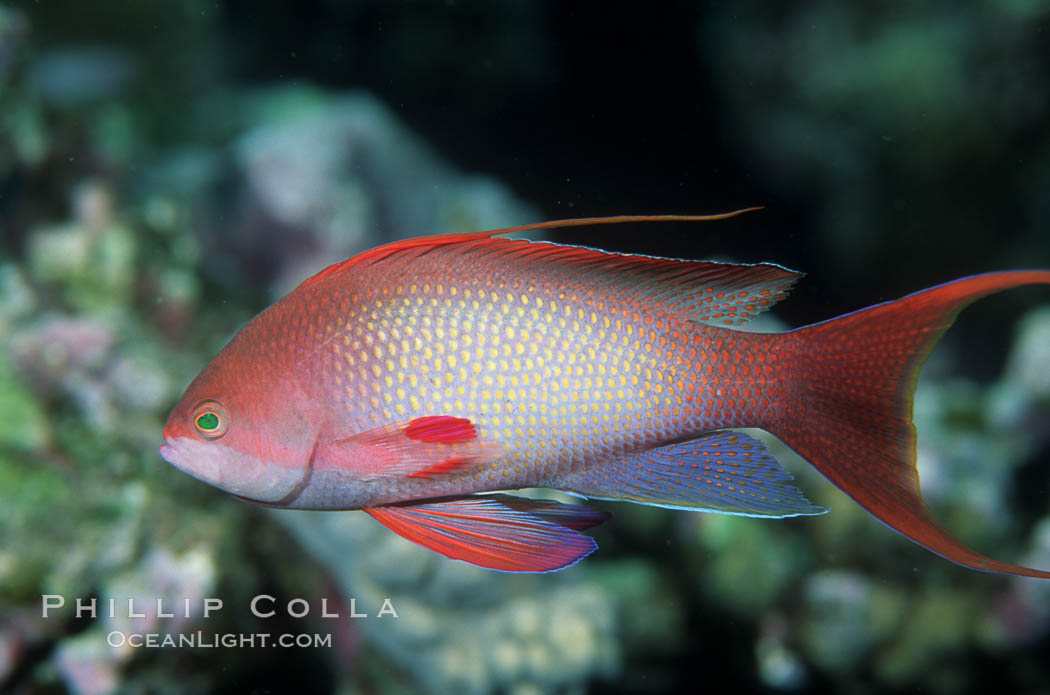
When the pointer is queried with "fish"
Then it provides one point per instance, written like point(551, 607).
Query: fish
point(423, 380)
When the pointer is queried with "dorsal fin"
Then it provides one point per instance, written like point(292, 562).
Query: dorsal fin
point(380, 252)
point(710, 292)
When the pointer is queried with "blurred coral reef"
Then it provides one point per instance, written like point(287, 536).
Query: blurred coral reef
point(129, 258)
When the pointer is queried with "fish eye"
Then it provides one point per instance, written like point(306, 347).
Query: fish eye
point(211, 420)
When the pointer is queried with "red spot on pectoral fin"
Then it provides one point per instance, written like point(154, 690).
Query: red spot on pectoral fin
point(445, 467)
point(444, 429)
point(497, 532)
point(426, 447)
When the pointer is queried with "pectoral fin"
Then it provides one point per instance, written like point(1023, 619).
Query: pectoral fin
point(499, 532)
point(425, 447)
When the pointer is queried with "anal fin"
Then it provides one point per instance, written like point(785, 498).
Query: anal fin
point(726, 471)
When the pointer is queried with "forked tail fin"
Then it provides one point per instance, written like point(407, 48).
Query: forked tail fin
point(852, 416)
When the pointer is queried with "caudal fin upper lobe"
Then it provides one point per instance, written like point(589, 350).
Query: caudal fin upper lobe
point(852, 405)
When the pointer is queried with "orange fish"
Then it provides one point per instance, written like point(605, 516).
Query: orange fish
point(413, 376)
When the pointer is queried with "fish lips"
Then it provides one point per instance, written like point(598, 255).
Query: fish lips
point(231, 470)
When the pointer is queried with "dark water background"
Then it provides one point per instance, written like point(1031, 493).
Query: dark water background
point(150, 159)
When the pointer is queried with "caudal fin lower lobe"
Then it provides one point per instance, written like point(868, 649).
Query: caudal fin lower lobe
point(852, 405)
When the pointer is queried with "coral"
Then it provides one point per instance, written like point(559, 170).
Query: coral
point(324, 176)
point(88, 372)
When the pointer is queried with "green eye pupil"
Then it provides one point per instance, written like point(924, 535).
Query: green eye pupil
point(208, 422)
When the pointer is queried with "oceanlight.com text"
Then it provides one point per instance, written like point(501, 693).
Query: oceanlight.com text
point(204, 640)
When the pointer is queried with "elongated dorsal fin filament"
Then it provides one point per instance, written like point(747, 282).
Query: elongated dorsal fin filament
point(381, 252)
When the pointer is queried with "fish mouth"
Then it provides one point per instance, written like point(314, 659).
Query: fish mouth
point(192, 458)
point(232, 471)
point(168, 449)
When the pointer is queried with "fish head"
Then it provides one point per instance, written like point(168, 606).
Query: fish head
point(248, 434)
